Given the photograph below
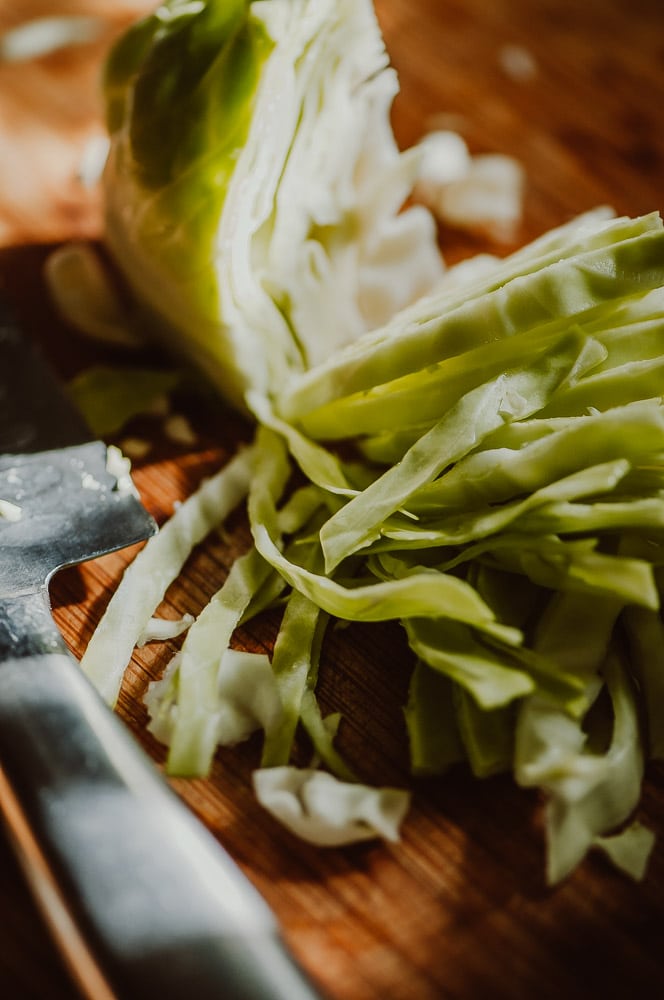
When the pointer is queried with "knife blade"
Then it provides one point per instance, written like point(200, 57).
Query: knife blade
point(140, 897)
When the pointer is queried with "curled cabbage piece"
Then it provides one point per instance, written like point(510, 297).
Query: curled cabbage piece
point(323, 810)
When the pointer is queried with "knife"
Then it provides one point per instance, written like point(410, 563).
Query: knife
point(140, 897)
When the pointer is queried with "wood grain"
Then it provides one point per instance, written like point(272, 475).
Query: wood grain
point(458, 909)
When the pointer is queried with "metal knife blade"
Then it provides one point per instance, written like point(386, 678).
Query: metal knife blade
point(69, 506)
point(140, 897)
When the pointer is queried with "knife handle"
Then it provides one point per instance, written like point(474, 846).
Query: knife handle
point(141, 897)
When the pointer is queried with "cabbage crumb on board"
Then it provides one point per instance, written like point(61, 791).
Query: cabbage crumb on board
point(479, 449)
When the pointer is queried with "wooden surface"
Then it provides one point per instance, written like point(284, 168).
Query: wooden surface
point(459, 908)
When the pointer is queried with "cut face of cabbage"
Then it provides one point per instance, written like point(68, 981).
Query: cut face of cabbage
point(254, 187)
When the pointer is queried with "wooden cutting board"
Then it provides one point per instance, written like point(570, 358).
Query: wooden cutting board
point(459, 908)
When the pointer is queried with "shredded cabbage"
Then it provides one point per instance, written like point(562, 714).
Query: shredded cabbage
point(482, 455)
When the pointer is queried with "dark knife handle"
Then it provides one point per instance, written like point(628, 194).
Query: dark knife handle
point(143, 900)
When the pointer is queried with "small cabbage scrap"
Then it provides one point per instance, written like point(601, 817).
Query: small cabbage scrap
point(482, 193)
point(40, 36)
point(109, 396)
point(159, 629)
point(247, 698)
point(10, 511)
point(320, 808)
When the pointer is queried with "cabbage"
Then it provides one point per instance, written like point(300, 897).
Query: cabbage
point(156, 566)
point(253, 186)
point(109, 397)
point(318, 807)
point(480, 454)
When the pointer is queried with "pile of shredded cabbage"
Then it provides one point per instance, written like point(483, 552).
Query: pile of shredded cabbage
point(485, 466)
point(504, 501)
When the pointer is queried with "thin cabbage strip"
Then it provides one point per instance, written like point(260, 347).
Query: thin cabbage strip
point(601, 798)
point(634, 432)
point(420, 398)
point(512, 396)
point(295, 665)
point(453, 649)
point(147, 578)
point(460, 529)
point(197, 695)
point(424, 593)
point(195, 732)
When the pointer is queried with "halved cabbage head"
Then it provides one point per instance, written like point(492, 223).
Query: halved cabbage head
point(254, 189)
